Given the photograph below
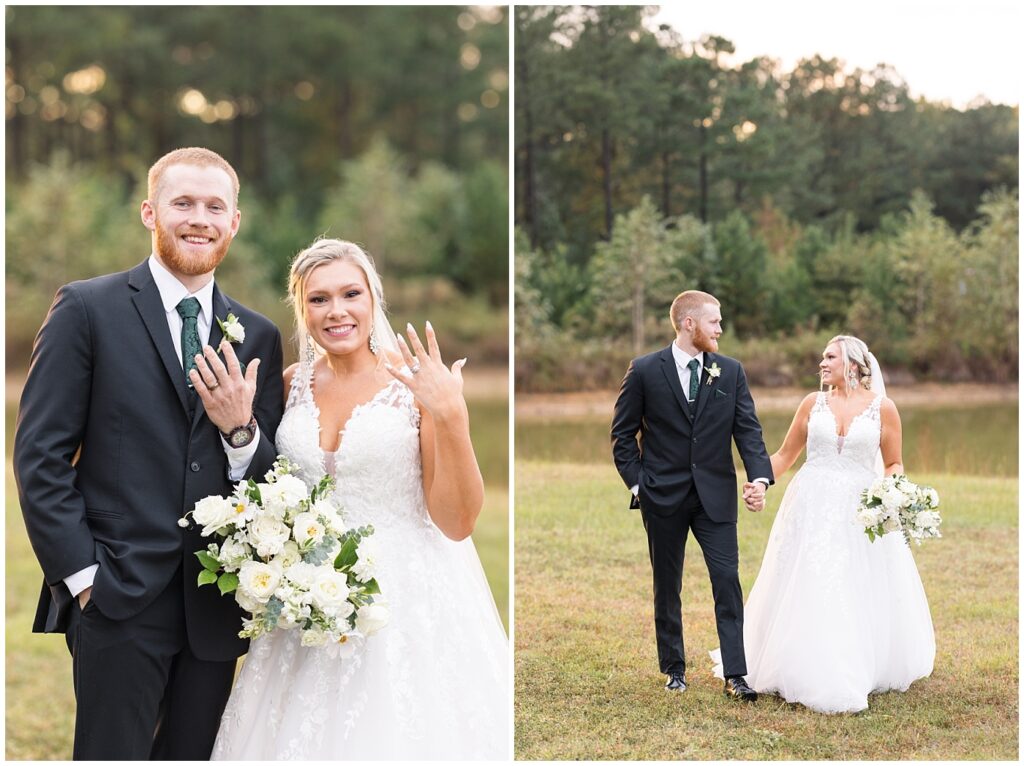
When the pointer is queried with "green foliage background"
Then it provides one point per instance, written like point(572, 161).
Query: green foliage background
point(386, 126)
point(810, 202)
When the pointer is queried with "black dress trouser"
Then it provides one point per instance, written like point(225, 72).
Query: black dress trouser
point(141, 693)
point(666, 540)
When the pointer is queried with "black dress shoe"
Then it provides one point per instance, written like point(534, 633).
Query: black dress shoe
point(676, 682)
point(736, 687)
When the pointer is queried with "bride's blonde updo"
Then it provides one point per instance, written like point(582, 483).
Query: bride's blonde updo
point(326, 251)
point(856, 366)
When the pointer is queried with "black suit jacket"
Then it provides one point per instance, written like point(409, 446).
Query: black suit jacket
point(679, 449)
point(111, 449)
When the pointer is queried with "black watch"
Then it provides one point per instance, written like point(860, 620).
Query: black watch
point(241, 436)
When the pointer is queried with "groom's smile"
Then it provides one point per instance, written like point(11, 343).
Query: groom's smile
point(193, 218)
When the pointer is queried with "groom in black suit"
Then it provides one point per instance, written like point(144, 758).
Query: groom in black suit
point(128, 417)
point(687, 404)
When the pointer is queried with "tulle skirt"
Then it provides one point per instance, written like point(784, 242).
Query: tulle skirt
point(832, 616)
point(432, 684)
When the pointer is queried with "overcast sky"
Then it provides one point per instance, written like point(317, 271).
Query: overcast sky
point(944, 50)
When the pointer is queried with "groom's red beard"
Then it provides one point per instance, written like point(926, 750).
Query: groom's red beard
point(172, 254)
point(704, 342)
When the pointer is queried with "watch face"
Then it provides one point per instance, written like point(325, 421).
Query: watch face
point(240, 438)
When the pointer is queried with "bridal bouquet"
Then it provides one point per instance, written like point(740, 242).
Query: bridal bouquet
point(287, 556)
point(897, 504)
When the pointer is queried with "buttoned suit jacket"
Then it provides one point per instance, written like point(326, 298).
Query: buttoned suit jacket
point(112, 448)
point(679, 449)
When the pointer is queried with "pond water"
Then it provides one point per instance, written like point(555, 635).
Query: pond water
point(977, 440)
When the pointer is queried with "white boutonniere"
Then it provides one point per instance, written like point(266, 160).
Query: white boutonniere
point(234, 331)
point(714, 371)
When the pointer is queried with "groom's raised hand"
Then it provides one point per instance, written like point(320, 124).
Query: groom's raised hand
point(226, 394)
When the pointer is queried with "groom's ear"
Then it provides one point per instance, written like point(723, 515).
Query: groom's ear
point(236, 221)
point(148, 215)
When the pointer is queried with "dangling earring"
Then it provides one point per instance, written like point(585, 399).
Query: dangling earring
point(374, 346)
point(310, 351)
point(852, 381)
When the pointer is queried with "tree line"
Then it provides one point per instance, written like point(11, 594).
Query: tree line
point(387, 126)
point(810, 202)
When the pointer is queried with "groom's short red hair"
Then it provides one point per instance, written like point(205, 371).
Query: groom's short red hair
point(191, 155)
point(689, 303)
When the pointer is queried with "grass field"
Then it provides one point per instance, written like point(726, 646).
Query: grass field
point(587, 680)
point(40, 699)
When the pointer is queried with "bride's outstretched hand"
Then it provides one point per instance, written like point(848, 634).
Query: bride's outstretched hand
point(436, 387)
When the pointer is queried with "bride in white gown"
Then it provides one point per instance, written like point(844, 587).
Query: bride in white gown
point(433, 683)
point(833, 616)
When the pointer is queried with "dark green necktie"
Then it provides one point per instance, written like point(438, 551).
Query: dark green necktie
point(694, 379)
point(188, 309)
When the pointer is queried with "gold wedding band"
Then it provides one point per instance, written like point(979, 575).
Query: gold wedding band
point(215, 385)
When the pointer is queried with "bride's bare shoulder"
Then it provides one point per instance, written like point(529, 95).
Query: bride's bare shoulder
point(288, 375)
point(887, 407)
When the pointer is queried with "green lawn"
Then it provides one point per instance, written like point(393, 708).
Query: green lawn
point(40, 698)
point(587, 680)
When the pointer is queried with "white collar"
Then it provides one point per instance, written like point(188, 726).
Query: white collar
point(683, 359)
point(172, 291)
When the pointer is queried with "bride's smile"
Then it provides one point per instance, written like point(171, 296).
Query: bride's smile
point(339, 308)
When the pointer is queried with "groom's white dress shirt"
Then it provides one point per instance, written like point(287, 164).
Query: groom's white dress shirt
point(682, 360)
point(171, 294)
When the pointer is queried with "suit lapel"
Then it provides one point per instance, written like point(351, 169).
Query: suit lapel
point(707, 385)
point(668, 367)
point(151, 310)
point(221, 307)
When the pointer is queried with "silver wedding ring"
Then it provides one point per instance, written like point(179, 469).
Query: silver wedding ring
point(415, 368)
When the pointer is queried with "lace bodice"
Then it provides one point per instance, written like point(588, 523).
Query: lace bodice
point(377, 464)
point(860, 444)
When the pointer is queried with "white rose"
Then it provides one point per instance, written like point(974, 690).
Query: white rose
point(313, 637)
point(869, 517)
point(301, 574)
point(288, 491)
point(306, 526)
point(267, 535)
point(258, 580)
point(248, 602)
point(891, 524)
point(213, 512)
point(371, 618)
point(933, 497)
point(330, 592)
point(892, 499)
point(877, 487)
point(233, 330)
point(928, 519)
